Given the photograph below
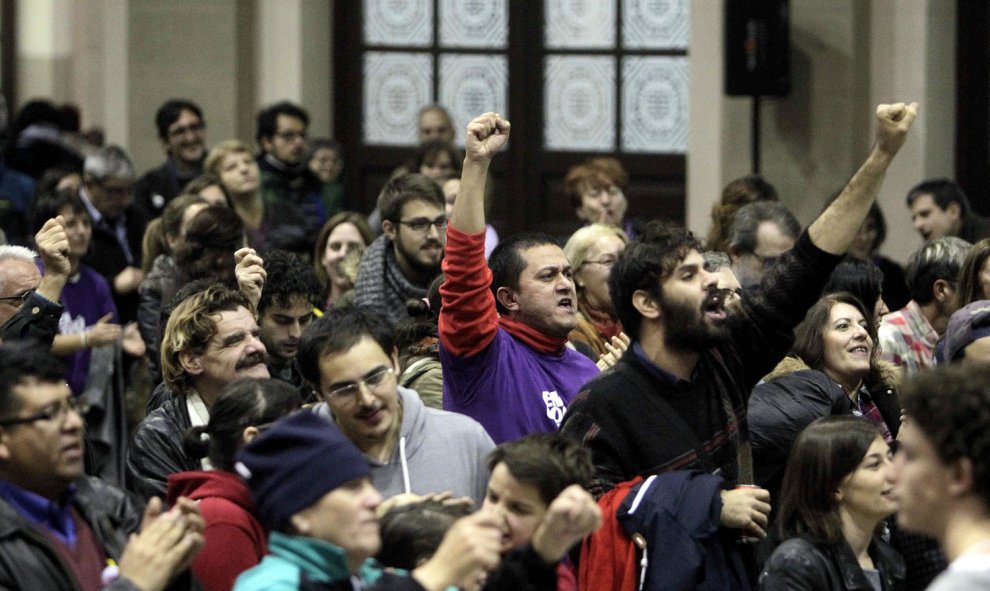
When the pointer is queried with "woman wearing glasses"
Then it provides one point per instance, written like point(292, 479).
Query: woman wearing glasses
point(592, 251)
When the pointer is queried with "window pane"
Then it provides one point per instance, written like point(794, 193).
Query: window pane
point(471, 85)
point(655, 104)
point(655, 24)
point(474, 23)
point(584, 24)
point(579, 103)
point(398, 22)
point(396, 87)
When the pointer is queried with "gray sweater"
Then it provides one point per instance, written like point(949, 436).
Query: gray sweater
point(441, 451)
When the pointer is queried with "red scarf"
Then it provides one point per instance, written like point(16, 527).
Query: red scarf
point(606, 324)
point(532, 337)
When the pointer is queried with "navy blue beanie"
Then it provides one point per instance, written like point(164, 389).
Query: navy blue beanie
point(292, 465)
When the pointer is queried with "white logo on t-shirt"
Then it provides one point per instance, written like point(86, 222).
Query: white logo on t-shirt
point(555, 406)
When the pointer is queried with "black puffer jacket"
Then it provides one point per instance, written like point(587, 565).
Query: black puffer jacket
point(156, 450)
point(789, 399)
point(800, 564)
point(29, 561)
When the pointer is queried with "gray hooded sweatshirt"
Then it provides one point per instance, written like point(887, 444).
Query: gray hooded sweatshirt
point(437, 451)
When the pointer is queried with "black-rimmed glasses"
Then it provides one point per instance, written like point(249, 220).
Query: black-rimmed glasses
point(423, 225)
point(56, 411)
point(20, 299)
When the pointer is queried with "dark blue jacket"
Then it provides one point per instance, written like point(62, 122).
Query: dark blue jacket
point(677, 514)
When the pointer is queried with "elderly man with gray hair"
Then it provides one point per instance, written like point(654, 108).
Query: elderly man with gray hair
point(29, 306)
point(115, 250)
point(908, 336)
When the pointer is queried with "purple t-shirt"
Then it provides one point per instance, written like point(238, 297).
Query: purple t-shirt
point(511, 389)
point(85, 298)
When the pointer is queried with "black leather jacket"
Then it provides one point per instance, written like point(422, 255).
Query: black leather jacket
point(799, 564)
point(28, 560)
point(156, 450)
point(36, 319)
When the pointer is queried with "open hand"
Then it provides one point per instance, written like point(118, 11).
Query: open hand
point(165, 547)
point(128, 280)
point(615, 348)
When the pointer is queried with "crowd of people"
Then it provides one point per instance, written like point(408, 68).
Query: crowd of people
point(216, 376)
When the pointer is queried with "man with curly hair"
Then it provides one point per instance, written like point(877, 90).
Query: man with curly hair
point(942, 469)
point(210, 340)
point(677, 399)
point(286, 307)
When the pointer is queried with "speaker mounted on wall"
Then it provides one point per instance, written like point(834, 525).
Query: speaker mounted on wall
point(757, 48)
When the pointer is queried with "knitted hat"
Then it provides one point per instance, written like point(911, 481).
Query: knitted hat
point(292, 465)
point(967, 324)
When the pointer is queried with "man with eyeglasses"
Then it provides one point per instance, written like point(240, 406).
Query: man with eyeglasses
point(286, 181)
point(60, 529)
point(210, 340)
point(118, 227)
point(181, 131)
point(350, 358)
point(760, 233)
point(400, 264)
point(29, 302)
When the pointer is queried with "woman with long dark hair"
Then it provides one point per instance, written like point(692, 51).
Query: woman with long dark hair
point(833, 369)
point(837, 492)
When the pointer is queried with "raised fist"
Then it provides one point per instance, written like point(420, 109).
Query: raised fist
point(485, 137)
point(893, 123)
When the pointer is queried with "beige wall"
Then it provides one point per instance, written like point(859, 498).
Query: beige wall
point(847, 56)
point(182, 48)
point(120, 59)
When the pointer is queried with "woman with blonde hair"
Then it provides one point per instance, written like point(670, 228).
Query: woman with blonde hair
point(592, 251)
point(162, 236)
point(267, 227)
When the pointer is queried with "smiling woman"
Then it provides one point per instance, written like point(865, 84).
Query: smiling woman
point(833, 369)
point(838, 489)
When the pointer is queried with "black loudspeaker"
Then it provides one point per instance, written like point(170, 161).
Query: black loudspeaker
point(757, 48)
